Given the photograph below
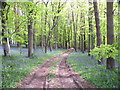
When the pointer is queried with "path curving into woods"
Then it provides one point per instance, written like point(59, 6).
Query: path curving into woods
point(55, 73)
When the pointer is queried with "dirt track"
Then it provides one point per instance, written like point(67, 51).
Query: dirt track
point(55, 73)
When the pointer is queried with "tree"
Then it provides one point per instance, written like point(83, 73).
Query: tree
point(90, 35)
point(98, 32)
point(30, 32)
point(5, 39)
point(17, 28)
point(83, 46)
point(74, 29)
point(45, 25)
point(110, 33)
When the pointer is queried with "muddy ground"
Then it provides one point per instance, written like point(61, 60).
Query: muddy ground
point(55, 73)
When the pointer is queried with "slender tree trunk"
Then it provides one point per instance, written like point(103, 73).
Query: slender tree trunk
point(5, 40)
point(65, 37)
point(84, 36)
point(41, 36)
point(34, 39)
point(45, 36)
point(30, 35)
point(74, 29)
point(82, 33)
point(69, 39)
point(79, 42)
point(97, 21)
point(110, 33)
point(98, 33)
point(69, 29)
point(82, 43)
point(17, 29)
point(90, 27)
point(56, 36)
point(50, 46)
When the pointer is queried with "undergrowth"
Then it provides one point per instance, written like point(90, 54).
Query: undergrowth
point(96, 74)
point(18, 66)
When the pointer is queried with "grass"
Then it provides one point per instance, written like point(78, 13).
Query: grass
point(96, 74)
point(54, 65)
point(18, 66)
point(51, 76)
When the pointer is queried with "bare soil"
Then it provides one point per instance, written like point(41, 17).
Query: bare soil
point(60, 76)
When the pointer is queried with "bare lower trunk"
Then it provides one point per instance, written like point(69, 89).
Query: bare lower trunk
point(50, 46)
point(34, 40)
point(6, 46)
point(110, 33)
point(30, 40)
point(110, 63)
point(5, 40)
point(82, 33)
point(82, 43)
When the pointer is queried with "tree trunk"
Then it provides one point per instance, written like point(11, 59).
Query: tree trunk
point(97, 21)
point(74, 29)
point(17, 29)
point(56, 36)
point(45, 36)
point(90, 27)
point(5, 40)
point(82, 43)
point(98, 33)
point(30, 35)
point(79, 42)
point(110, 33)
point(34, 37)
point(82, 33)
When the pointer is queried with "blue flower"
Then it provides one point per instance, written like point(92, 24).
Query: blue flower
point(110, 74)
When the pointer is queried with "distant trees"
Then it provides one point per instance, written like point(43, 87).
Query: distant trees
point(57, 25)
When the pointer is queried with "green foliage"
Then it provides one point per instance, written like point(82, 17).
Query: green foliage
point(51, 76)
point(104, 51)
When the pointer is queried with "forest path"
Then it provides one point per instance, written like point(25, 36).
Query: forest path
point(55, 73)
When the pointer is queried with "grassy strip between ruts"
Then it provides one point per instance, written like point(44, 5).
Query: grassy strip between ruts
point(92, 72)
point(18, 66)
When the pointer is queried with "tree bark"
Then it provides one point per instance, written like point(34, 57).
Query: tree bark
point(17, 29)
point(90, 27)
point(34, 39)
point(74, 29)
point(98, 33)
point(30, 35)
point(45, 36)
point(82, 33)
point(5, 40)
point(110, 33)
point(97, 21)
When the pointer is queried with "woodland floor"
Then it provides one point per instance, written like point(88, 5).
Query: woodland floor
point(55, 73)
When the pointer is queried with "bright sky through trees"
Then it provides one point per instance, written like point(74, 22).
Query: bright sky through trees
point(61, 0)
